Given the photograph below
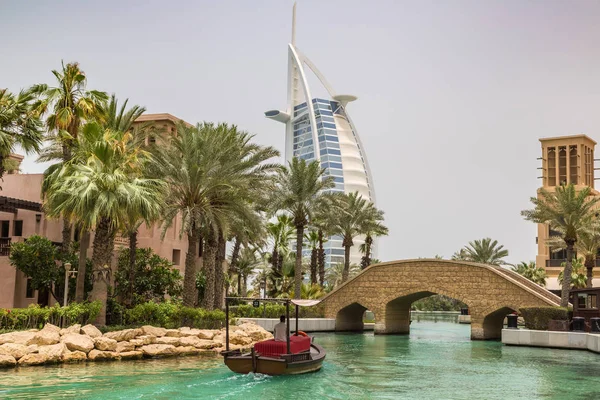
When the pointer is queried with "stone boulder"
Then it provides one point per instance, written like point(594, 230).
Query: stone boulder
point(239, 337)
point(157, 350)
point(137, 342)
point(47, 336)
point(124, 335)
point(97, 355)
point(74, 356)
point(91, 331)
point(168, 340)
point(123, 347)
point(255, 332)
point(147, 339)
point(131, 355)
point(173, 333)
point(105, 344)
point(53, 352)
point(185, 331)
point(33, 348)
point(17, 337)
point(187, 350)
point(75, 341)
point(197, 343)
point(72, 329)
point(152, 330)
point(33, 359)
point(7, 361)
point(206, 334)
point(14, 349)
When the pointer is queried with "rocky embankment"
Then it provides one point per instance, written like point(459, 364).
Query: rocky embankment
point(76, 343)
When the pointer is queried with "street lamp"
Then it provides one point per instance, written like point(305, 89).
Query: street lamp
point(68, 273)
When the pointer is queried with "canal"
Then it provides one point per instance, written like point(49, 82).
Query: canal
point(437, 361)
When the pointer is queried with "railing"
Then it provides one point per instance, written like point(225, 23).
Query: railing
point(557, 263)
point(4, 247)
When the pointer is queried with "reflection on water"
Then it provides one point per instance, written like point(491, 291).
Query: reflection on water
point(437, 361)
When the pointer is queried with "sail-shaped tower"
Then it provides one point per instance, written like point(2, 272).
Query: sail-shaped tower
point(321, 129)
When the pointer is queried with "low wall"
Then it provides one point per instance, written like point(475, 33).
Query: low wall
point(554, 339)
point(464, 319)
point(306, 324)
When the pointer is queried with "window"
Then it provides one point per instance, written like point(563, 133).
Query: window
point(176, 256)
point(17, 228)
point(4, 228)
point(29, 292)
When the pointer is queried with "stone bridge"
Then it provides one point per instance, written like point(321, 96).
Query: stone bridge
point(388, 290)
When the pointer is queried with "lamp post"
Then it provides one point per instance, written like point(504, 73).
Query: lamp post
point(67, 273)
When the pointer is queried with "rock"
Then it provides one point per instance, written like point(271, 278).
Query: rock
point(168, 340)
point(147, 339)
point(137, 342)
point(33, 348)
point(151, 330)
point(97, 355)
point(124, 347)
point(155, 350)
point(7, 361)
point(33, 359)
point(105, 344)
point(187, 350)
point(239, 337)
point(17, 337)
point(124, 335)
point(72, 329)
point(74, 356)
point(197, 343)
point(189, 332)
point(206, 334)
point(53, 352)
point(173, 333)
point(14, 349)
point(46, 336)
point(131, 355)
point(75, 341)
point(220, 338)
point(255, 332)
point(91, 331)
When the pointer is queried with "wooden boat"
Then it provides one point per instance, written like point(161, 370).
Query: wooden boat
point(298, 355)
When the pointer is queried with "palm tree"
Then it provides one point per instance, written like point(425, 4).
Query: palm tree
point(322, 223)
point(300, 188)
point(485, 251)
point(101, 192)
point(20, 124)
point(70, 104)
point(352, 216)
point(312, 237)
point(334, 275)
point(460, 255)
point(372, 228)
point(281, 233)
point(531, 272)
point(578, 276)
point(246, 265)
point(567, 211)
point(214, 173)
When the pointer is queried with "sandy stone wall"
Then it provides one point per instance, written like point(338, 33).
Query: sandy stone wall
point(388, 289)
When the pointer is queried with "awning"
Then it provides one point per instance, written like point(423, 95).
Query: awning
point(306, 303)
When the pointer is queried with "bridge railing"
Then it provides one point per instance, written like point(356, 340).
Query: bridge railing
point(526, 282)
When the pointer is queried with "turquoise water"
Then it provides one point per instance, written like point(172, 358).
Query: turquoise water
point(437, 361)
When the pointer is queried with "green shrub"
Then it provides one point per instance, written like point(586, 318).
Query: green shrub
point(538, 317)
point(35, 316)
point(273, 311)
point(173, 315)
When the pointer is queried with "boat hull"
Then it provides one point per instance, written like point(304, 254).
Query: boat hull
point(245, 364)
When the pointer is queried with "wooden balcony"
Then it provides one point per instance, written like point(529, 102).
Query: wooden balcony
point(4, 247)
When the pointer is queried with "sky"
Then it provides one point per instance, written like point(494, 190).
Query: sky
point(452, 96)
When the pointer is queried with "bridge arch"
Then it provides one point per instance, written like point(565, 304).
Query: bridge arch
point(388, 289)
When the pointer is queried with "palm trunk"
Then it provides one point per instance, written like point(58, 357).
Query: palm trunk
point(84, 243)
point(239, 279)
point(321, 259)
point(275, 259)
point(189, 278)
point(566, 284)
point(104, 241)
point(132, 262)
point(313, 266)
point(209, 257)
point(347, 243)
point(298, 267)
point(590, 262)
point(366, 259)
point(245, 287)
point(67, 227)
point(235, 252)
point(219, 272)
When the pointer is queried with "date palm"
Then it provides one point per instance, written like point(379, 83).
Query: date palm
point(485, 251)
point(20, 124)
point(334, 275)
point(300, 187)
point(531, 272)
point(281, 233)
point(312, 237)
point(372, 229)
point(565, 210)
point(246, 265)
point(578, 276)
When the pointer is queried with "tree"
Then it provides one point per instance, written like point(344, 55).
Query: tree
point(70, 105)
point(352, 216)
point(566, 210)
point(460, 255)
point(312, 237)
point(485, 251)
point(334, 275)
point(281, 232)
point(246, 265)
point(531, 272)
point(213, 173)
point(372, 228)
point(101, 192)
point(20, 124)
point(299, 188)
point(578, 276)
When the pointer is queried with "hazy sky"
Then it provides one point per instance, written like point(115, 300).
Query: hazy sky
point(453, 95)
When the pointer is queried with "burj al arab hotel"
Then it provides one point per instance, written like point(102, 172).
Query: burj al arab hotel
point(321, 129)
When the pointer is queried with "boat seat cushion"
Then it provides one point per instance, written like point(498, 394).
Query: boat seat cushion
point(271, 348)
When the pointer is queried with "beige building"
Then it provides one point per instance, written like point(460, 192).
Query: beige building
point(565, 159)
point(21, 216)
